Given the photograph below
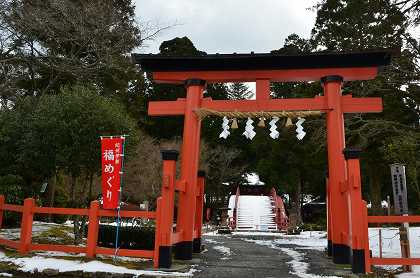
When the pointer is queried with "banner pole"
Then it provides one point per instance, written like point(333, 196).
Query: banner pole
point(120, 196)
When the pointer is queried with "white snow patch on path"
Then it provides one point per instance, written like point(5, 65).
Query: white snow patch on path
point(210, 240)
point(299, 267)
point(313, 239)
point(29, 264)
point(224, 250)
point(3, 274)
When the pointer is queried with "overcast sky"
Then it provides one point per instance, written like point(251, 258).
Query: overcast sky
point(227, 26)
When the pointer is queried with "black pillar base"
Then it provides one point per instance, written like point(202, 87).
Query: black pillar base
point(184, 250)
point(329, 248)
point(340, 253)
point(165, 256)
point(358, 261)
point(197, 245)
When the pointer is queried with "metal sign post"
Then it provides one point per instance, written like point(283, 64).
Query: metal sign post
point(399, 186)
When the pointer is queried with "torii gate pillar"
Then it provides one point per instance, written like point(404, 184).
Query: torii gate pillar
point(337, 201)
point(189, 168)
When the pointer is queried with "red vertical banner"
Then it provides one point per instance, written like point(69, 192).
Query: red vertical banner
point(112, 155)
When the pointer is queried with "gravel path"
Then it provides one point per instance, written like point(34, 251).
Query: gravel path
point(228, 256)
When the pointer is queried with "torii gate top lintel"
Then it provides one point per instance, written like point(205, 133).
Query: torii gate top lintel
point(333, 68)
point(213, 68)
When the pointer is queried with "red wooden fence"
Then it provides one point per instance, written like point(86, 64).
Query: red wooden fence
point(165, 237)
point(393, 219)
point(29, 209)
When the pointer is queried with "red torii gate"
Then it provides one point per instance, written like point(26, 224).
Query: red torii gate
point(331, 68)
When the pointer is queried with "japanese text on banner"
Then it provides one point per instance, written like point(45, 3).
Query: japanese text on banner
point(111, 171)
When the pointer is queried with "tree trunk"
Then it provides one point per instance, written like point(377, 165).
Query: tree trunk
point(90, 188)
point(73, 184)
point(52, 185)
point(295, 211)
point(375, 190)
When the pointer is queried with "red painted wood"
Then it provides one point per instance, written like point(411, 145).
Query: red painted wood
point(158, 232)
point(125, 252)
point(361, 105)
point(290, 104)
point(319, 103)
point(394, 219)
point(58, 248)
point(93, 229)
point(64, 211)
point(10, 243)
point(262, 89)
point(1, 209)
point(354, 193)
point(336, 164)
point(198, 222)
point(273, 75)
point(168, 200)
point(26, 226)
point(189, 162)
point(128, 213)
point(176, 237)
point(368, 265)
point(395, 261)
point(15, 208)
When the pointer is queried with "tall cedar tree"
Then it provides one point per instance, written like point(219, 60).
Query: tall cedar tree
point(391, 136)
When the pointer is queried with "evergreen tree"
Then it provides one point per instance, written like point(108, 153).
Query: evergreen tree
point(239, 91)
point(360, 24)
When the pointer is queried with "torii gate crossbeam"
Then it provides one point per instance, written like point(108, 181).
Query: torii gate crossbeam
point(331, 68)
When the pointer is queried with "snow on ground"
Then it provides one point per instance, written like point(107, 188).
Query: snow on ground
point(391, 242)
point(299, 267)
point(298, 264)
point(318, 240)
point(224, 250)
point(391, 246)
point(3, 274)
point(208, 240)
point(30, 264)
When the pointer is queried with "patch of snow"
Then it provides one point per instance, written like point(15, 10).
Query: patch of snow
point(224, 250)
point(212, 233)
point(59, 254)
point(391, 247)
point(311, 239)
point(258, 233)
point(210, 240)
point(3, 274)
point(391, 242)
point(29, 264)
point(299, 267)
